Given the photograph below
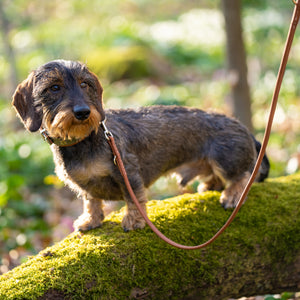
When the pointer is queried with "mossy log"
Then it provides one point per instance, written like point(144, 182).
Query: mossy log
point(259, 253)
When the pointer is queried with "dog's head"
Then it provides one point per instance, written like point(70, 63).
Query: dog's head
point(62, 96)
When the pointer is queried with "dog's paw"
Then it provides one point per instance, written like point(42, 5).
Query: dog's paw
point(86, 222)
point(132, 221)
point(229, 200)
point(231, 195)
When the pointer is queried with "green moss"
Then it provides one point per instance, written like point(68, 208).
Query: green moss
point(107, 263)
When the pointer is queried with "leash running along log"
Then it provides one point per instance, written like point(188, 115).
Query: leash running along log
point(119, 162)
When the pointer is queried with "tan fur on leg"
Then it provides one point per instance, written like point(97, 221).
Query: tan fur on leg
point(92, 216)
point(231, 194)
point(133, 219)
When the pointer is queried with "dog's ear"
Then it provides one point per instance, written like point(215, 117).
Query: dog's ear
point(99, 95)
point(23, 103)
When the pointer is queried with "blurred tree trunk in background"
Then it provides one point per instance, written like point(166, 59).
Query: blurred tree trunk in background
point(8, 50)
point(237, 63)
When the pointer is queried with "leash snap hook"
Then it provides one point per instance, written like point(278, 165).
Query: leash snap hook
point(107, 133)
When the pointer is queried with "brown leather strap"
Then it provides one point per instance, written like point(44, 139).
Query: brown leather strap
point(111, 141)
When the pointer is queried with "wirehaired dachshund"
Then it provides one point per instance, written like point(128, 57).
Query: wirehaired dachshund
point(64, 100)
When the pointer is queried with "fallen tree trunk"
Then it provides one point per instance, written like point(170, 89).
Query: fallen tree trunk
point(259, 253)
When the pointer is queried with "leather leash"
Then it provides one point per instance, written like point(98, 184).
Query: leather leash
point(119, 162)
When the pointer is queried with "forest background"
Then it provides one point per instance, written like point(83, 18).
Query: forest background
point(145, 53)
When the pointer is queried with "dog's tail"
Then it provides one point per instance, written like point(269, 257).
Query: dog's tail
point(265, 164)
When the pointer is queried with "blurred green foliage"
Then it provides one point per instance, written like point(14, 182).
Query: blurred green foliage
point(283, 296)
point(144, 52)
point(23, 166)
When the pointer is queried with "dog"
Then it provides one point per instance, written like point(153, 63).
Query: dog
point(64, 99)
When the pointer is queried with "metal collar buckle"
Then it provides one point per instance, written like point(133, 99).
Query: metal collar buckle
point(46, 136)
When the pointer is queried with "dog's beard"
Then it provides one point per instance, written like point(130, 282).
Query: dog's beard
point(65, 126)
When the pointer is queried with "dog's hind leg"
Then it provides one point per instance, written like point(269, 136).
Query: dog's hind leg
point(233, 191)
point(92, 216)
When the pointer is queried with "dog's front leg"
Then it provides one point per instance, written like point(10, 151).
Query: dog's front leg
point(132, 219)
point(233, 191)
point(92, 216)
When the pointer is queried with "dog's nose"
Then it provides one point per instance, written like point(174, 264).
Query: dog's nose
point(81, 112)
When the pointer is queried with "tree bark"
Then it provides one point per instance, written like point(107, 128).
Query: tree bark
point(258, 254)
point(237, 62)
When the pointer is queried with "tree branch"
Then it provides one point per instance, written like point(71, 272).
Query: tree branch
point(259, 253)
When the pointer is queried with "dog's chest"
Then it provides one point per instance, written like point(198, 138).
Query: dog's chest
point(79, 170)
point(85, 173)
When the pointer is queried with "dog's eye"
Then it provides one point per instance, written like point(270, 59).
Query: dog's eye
point(55, 88)
point(83, 85)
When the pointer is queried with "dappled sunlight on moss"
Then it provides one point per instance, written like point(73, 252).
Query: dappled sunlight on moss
point(112, 263)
